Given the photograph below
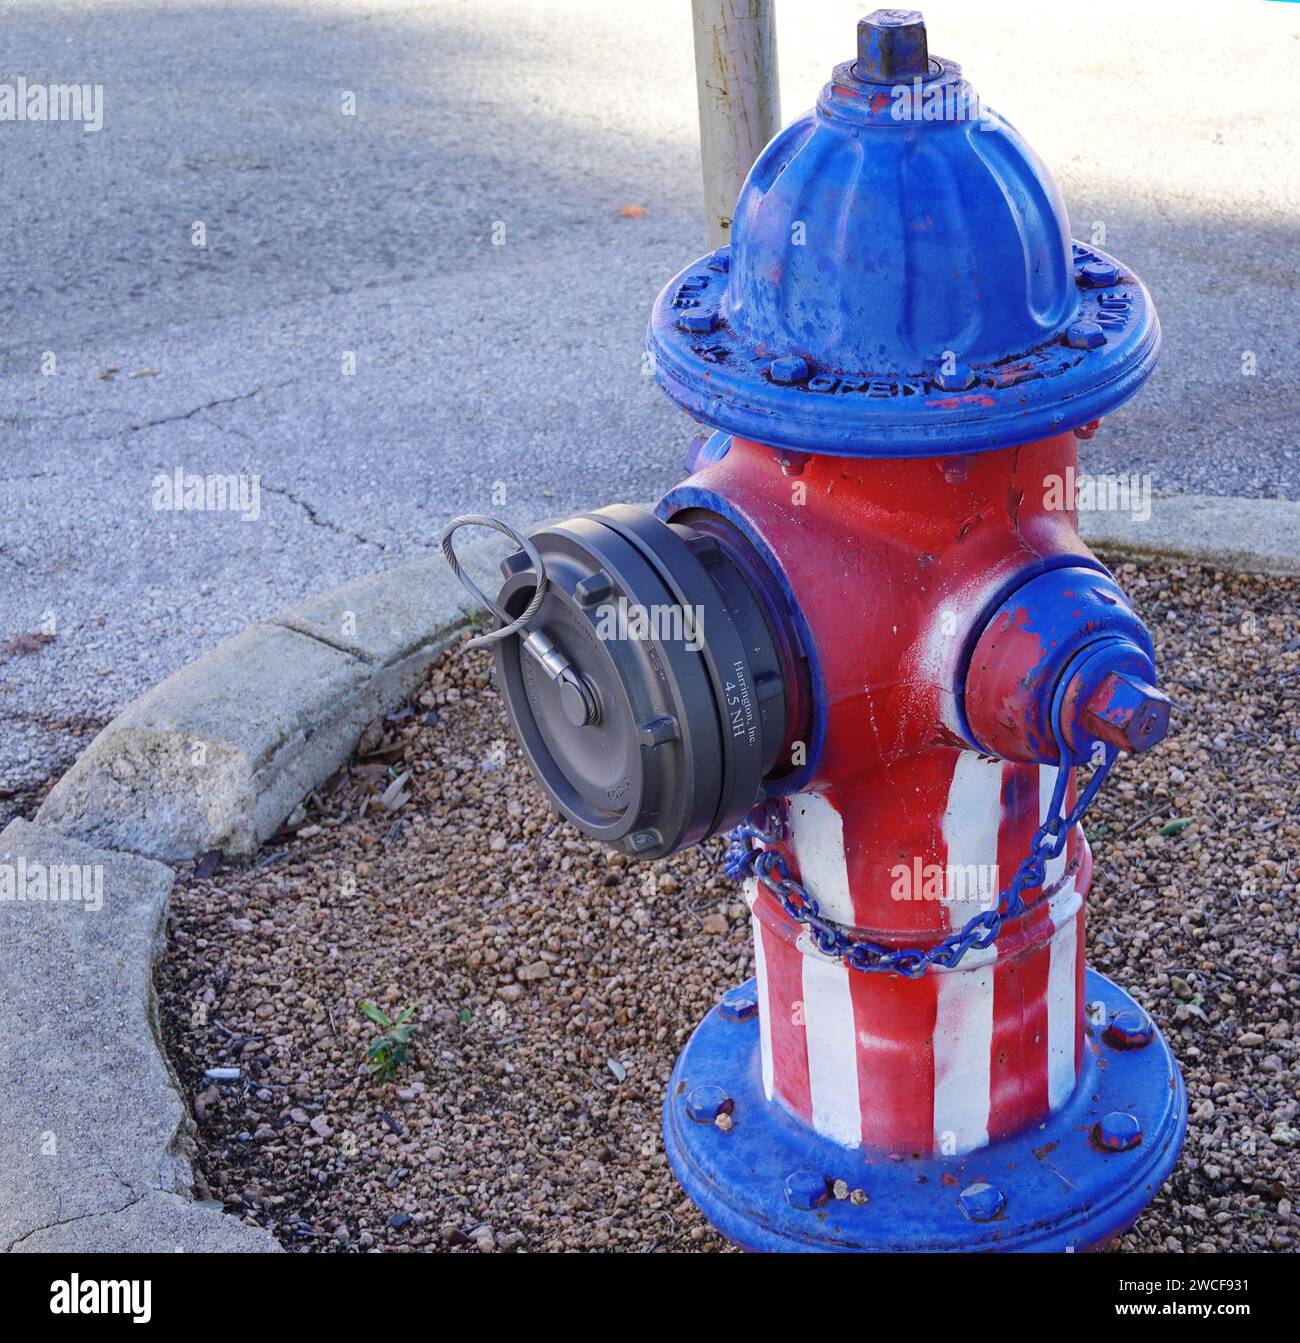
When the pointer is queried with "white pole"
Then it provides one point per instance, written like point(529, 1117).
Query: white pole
point(740, 103)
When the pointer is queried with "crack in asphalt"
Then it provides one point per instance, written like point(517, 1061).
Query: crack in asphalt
point(48, 419)
point(208, 405)
point(317, 521)
point(23, 420)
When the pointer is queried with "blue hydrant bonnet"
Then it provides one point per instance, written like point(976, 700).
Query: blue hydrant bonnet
point(901, 283)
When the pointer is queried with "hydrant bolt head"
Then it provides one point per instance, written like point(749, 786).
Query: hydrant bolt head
point(739, 1004)
point(706, 1103)
point(892, 46)
point(721, 260)
point(698, 319)
point(961, 377)
point(1129, 1030)
point(789, 370)
point(1098, 274)
point(981, 1202)
point(806, 1189)
point(1116, 1132)
point(1084, 336)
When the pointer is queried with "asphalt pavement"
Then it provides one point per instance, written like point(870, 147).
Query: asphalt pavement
point(478, 231)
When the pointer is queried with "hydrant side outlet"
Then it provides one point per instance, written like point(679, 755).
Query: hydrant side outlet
point(865, 639)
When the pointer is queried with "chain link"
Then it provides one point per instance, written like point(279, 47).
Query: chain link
point(769, 866)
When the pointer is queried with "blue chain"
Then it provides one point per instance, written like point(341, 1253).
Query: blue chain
point(768, 864)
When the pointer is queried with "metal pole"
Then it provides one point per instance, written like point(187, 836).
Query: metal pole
point(740, 103)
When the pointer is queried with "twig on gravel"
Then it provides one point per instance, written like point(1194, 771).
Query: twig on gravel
point(1145, 817)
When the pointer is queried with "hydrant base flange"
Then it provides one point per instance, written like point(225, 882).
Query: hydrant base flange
point(758, 1178)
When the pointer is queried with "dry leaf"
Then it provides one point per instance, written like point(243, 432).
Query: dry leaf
point(393, 797)
point(22, 644)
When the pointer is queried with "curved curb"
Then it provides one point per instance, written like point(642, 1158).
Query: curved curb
point(96, 1138)
point(217, 755)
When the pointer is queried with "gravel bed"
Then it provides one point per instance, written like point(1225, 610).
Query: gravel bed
point(556, 982)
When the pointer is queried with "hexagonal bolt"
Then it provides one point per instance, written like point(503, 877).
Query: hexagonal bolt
point(698, 320)
point(1084, 336)
point(721, 260)
point(1129, 1030)
point(706, 1103)
point(739, 1004)
point(1126, 712)
point(1116, 1132)
point(892, 46)
point(806, 1189)
point(981, 1202)
point(789, 369)
point(791, 462)
point(961, 377)
point(1097, 274)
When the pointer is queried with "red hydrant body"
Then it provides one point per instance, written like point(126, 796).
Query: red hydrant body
point(903, 829)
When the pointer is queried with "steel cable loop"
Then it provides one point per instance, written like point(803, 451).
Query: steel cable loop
point(508, 626)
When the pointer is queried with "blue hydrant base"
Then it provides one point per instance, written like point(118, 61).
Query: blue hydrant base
point(1061, 1191)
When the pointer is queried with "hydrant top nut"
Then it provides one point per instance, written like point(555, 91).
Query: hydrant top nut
point(892, 46)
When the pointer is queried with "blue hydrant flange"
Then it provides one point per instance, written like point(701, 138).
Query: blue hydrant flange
point(1069, 1183)
point(901, 284)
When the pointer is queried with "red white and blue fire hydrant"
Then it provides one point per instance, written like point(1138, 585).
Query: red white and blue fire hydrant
point(865, 638)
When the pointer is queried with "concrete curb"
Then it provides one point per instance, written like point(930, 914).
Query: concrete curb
point(95, 1134)
point(217, 755)
point(1255, 535)
point(94, 1131)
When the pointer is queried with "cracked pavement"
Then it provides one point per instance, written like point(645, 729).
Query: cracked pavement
point(482, 365)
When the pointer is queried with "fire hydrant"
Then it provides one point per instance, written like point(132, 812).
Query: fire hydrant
point(865, 638)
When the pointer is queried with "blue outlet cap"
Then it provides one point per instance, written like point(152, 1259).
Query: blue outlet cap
point(903, 245)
